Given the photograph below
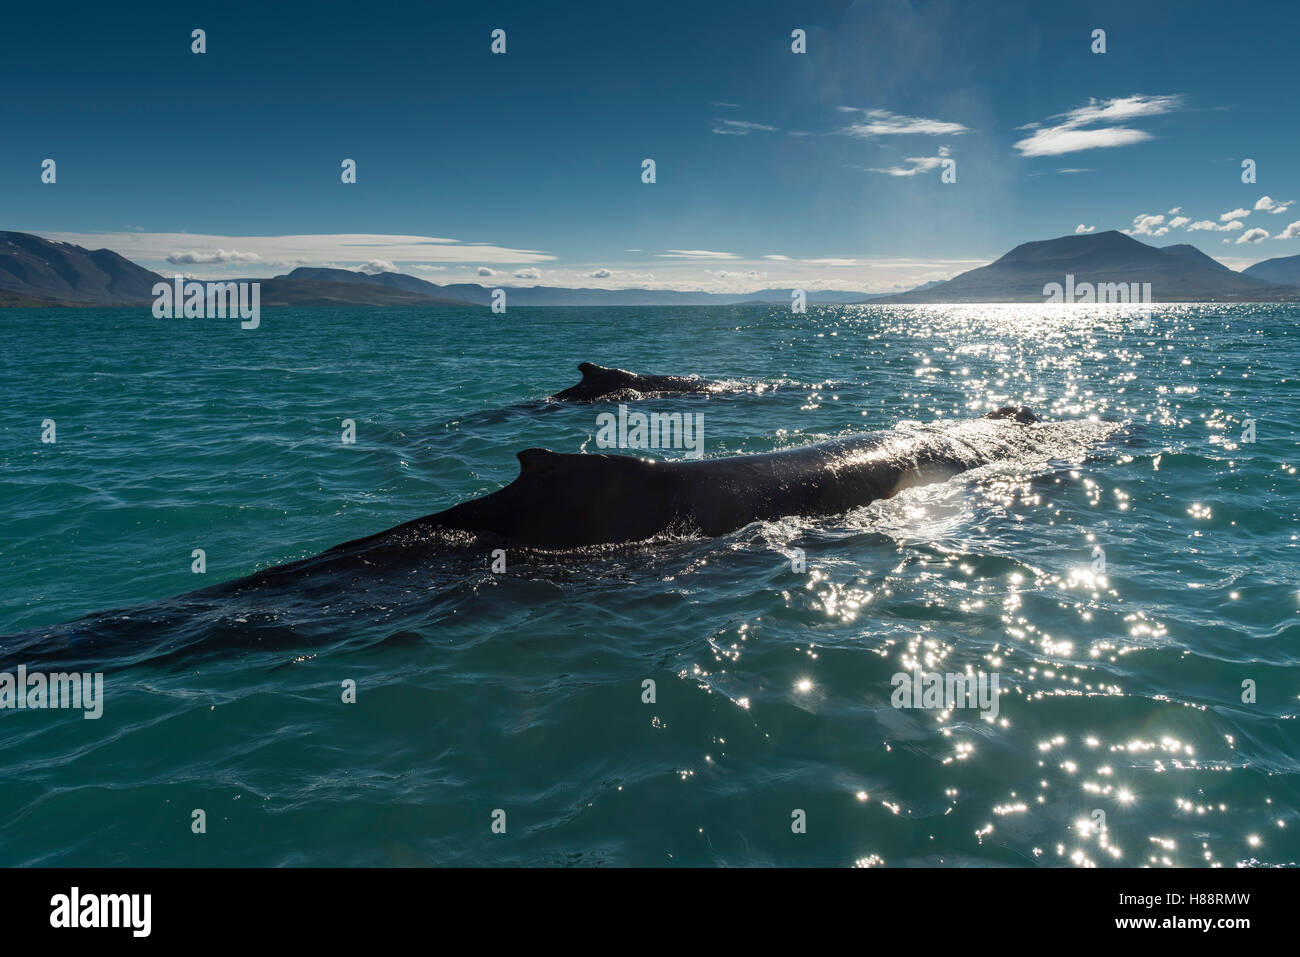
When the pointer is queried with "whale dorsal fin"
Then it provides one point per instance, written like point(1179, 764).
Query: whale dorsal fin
point(543, 463)
point(592, 373)
point(538, 461)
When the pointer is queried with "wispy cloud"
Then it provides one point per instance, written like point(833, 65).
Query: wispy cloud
point(1083, 229)
point(1084, 128)
point(916, 164)
point(195, 248)
point(695, 254)
point(1209, 224)
point(740, 127)
point(1238, 213)
point(876, 123)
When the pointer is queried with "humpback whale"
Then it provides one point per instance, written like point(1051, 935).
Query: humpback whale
point(564, 501)
point(599, 382)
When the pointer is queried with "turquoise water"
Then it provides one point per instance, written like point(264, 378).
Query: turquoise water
point(522, 691)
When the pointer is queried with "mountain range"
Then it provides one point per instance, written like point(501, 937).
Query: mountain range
point(1179, 273)
point(1284, 271)
point(478, 295)
point(39, 272)
point(35, 271)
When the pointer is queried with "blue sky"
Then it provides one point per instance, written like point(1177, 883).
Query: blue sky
point(773, 168)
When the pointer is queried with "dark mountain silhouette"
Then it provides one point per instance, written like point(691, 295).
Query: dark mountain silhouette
point(562, 296)
point(1178, 273)
point(36, 269)
point(1284, 270)
point(1193, 256)
point(303, 292)
point(39, 272)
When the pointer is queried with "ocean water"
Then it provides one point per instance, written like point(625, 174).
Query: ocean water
point(1126, 733)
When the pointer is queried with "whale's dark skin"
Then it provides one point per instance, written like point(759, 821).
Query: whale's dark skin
point(600, 383)
point(564, 501)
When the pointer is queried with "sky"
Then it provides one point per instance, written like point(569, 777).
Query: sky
point(822, 169)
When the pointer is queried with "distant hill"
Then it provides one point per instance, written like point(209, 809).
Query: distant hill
point(564, 296)
point(1178, 273)
point(883, 296)
point(1285, 270)
point(302, 292)
point(37, 270)
point(1194, 257)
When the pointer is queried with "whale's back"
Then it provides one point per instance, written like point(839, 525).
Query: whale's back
point(569, 501)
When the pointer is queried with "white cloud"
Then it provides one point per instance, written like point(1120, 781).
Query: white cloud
point(213, 256)
point(919, 164)
point(776, 258)
point(884, 123)
point(1269, 204)
point(838, 270)
point(377, 266)
point(1291, 232)
point(1201, 224)
point(1237, 213)
point(297, 250)
point(740, 127)
point(695, 254)
point(1148, 224)
point(1179, 221)
point(530, 273)
point(1083, 229)
point(1078, 130)
point(1256, 235)
point(732, 106)
point(484, 271)
point(1175, 211)
point(1073, 170)
point(600, 274)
